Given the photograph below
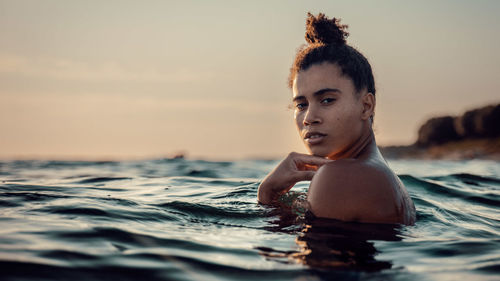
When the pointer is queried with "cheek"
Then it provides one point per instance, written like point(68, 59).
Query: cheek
point(298, 120)
point(343, 122)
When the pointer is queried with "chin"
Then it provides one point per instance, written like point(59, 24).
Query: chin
point(318, 152)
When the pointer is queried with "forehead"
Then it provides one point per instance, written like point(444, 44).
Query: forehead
point(321, 76)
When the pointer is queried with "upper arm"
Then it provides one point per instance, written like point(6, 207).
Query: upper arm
point(349, 191)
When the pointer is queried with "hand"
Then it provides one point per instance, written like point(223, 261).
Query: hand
point(294, 168)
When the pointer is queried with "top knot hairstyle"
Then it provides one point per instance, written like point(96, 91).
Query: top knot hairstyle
point(326, 40)
point(321, 30)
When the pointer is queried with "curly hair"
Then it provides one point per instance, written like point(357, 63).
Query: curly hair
point(327, 43)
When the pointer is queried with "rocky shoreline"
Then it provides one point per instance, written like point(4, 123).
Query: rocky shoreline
point(472, 135)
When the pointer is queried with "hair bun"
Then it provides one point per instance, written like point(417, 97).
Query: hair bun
point(320, 29)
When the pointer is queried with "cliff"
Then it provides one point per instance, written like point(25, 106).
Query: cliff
point(474, 134)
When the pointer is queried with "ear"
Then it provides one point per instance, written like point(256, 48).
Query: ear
point(368, 103)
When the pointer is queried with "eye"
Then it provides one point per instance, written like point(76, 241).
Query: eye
point(327, 100)
point(301, 106)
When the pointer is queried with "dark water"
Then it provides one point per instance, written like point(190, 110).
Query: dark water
point(197, 220)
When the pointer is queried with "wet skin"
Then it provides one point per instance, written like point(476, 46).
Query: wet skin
point(350, 180)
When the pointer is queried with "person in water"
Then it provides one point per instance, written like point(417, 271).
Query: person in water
point(334, 103)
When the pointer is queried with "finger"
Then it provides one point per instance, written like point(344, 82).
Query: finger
point(304, 159)
point(308, 167)
point(304, 175)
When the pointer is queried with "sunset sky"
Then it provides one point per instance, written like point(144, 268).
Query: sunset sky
point(128, 79)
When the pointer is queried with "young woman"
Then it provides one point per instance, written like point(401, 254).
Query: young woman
point(334, 99)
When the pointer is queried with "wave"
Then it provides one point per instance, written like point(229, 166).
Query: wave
point(103, 179)
point(198, 210)
point(447, 188)
point(178, 219)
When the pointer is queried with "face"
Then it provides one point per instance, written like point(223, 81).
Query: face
point(329, 115)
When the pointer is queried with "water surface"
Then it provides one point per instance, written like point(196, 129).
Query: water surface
point(177, 219)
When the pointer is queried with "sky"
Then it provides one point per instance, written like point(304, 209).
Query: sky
point(150, 79)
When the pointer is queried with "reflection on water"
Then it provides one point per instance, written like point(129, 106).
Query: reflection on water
point(333, 244)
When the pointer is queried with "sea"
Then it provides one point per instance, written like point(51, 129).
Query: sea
point(187, 219)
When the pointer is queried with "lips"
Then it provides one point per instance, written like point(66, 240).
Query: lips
point(313, 138)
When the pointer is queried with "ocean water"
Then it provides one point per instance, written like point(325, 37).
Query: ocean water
point(178, 219)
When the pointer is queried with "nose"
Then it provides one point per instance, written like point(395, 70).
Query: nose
point(311, 117)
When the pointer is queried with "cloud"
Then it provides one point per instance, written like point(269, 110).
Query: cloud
point(66, 69)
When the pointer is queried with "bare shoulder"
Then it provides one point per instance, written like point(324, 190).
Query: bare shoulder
point(357, 190)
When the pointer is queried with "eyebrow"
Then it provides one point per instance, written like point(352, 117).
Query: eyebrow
point(318, 93)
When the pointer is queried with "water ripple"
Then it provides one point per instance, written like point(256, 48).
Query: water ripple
point(179, 219)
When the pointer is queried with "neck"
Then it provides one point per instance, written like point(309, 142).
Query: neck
point(363, 145)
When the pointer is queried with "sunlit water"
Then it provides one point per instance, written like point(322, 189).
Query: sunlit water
point(177, 219)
